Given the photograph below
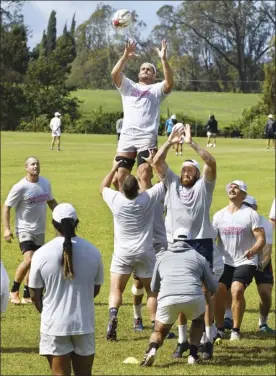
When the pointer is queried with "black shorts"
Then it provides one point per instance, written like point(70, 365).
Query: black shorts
point(266, 276)
point(28, 245)
point(243, 274)
point(271, 136)
point(204, 247)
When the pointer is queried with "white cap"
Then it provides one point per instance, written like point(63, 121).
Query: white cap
point(57, 114)
point(270, 116)
point(250, 200)
point(62, 211)
point(181, 234)
point(241, 184)
point(191, 162)
point(173, 117)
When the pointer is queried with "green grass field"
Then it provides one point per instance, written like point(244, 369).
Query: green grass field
point(226, 106)
point(76, 173)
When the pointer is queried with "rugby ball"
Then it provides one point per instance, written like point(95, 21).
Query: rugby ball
point(122, 18)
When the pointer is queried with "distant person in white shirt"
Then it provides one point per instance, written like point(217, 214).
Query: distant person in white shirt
point(141, 106)
point(55, 126)
point(30, 197)
point(240, 238)
point(264, 275)
point(272, 213)
point(4, 288)
point(133, 214)
point(119, 125)
point(66, 275)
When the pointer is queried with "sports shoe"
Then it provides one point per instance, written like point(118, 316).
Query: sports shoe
point(149, 358)
point(235, 336)
point(266, 329)
point(201, 347)
point(171, 335)
point(138, 325)
point(192, 360)
point(207, 351)
point(26, 301)
point(176, 154)
point(218, 338)
point(15, 298)
point(228, 323)
point(111, 334)
point(180, 349)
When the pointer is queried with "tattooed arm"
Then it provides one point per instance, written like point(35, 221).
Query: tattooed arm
point(210, 167)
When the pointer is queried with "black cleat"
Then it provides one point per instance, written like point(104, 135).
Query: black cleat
point(207, 351)
point(180, 349)
point(111, 334)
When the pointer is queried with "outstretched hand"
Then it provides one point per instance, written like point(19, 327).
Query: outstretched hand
point(187, 134)
point(163, 52)
point(176, 135)
point(130, 48)
point(149, 159)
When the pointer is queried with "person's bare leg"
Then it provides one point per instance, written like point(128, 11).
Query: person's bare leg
point(24, 266)
point(137, 294)
point(238, 303)
point(265, 292)
point(53, 142)
point(60, 365)
point(219, 305)
point(82, 365)
point(58, 143)
point(151, 298)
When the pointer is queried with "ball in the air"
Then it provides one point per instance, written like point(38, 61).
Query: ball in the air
point(122, 18)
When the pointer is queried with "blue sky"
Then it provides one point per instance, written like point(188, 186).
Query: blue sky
point(36, 13)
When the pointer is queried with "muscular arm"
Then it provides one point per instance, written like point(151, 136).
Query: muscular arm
point(159, 163)
point(266, 254)
point(106, 183)
point(168, 75)
point(117, 70)
point(36, 296)
point(52, 204)
point(6, 217)
point(210, 168)
point(258, 245)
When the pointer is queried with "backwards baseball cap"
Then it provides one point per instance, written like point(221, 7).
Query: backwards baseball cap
point(57, 114)
point(191, 162)
point(173, 117)
point(181, 234)
point(64, 210)
point(241, 184)
point(250, 200)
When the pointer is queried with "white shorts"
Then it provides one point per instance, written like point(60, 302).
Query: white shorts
point(56, 133)
point(142, 264)
point(136, 142)
point(83, 344)
point(210, 134)
point(38, 239)
point(192, 310)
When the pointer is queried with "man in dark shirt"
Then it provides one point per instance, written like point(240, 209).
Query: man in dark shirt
point(212, 129)
point(270, 131)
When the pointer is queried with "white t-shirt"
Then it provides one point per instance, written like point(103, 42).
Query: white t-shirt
point(4, 288)
point(133, 219)
point(188, 207)
point(272, 211)
point(68, 305)
point(29, 200)
point(55, 124)
point(141, 106)
point(235, 234)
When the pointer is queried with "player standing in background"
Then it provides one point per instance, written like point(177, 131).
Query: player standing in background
point(240, 238)
point(29, 198)
point(212, 130)
point(270, 131)
point(141, 106)
point(55, 125)
point(169, 124)
point(119, 125)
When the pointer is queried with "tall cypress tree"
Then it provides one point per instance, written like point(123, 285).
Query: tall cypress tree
point(73, 26)
point(51, 33)
point(65, 32)
point(43, 45)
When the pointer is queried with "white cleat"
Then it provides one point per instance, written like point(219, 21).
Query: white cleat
point(235, 336)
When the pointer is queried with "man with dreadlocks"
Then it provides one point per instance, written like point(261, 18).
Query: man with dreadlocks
point(69, 270)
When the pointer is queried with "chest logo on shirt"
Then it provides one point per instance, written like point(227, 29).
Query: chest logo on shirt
point(38, 199)
point(140, 93)
point(232, 230)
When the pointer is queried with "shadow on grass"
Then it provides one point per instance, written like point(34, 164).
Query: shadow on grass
point(26, 350)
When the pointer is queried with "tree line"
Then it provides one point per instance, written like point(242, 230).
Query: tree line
point(223, 45)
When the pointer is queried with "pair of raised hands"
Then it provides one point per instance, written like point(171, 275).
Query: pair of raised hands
point(130, 48)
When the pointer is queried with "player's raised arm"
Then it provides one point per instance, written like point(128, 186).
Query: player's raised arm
point(167, 71)
point(129, 52)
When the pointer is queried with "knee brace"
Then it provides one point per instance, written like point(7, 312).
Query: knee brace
point(127, 163)
point(137, 292)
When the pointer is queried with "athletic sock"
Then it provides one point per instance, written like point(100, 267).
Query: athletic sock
point(26, 292)
point(228, 313)
point(15, 286)
point(113, 312)
point(263, 320)
point(182, 333)
point(209, 334)
point(194, 351)
point(237, 330)
point(137, 310)
point(203, 338)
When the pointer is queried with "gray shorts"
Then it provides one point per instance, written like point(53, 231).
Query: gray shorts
point(82, 344)
point(136, 142)
point(30, 242)
point(142, 264)
point(191, 309)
